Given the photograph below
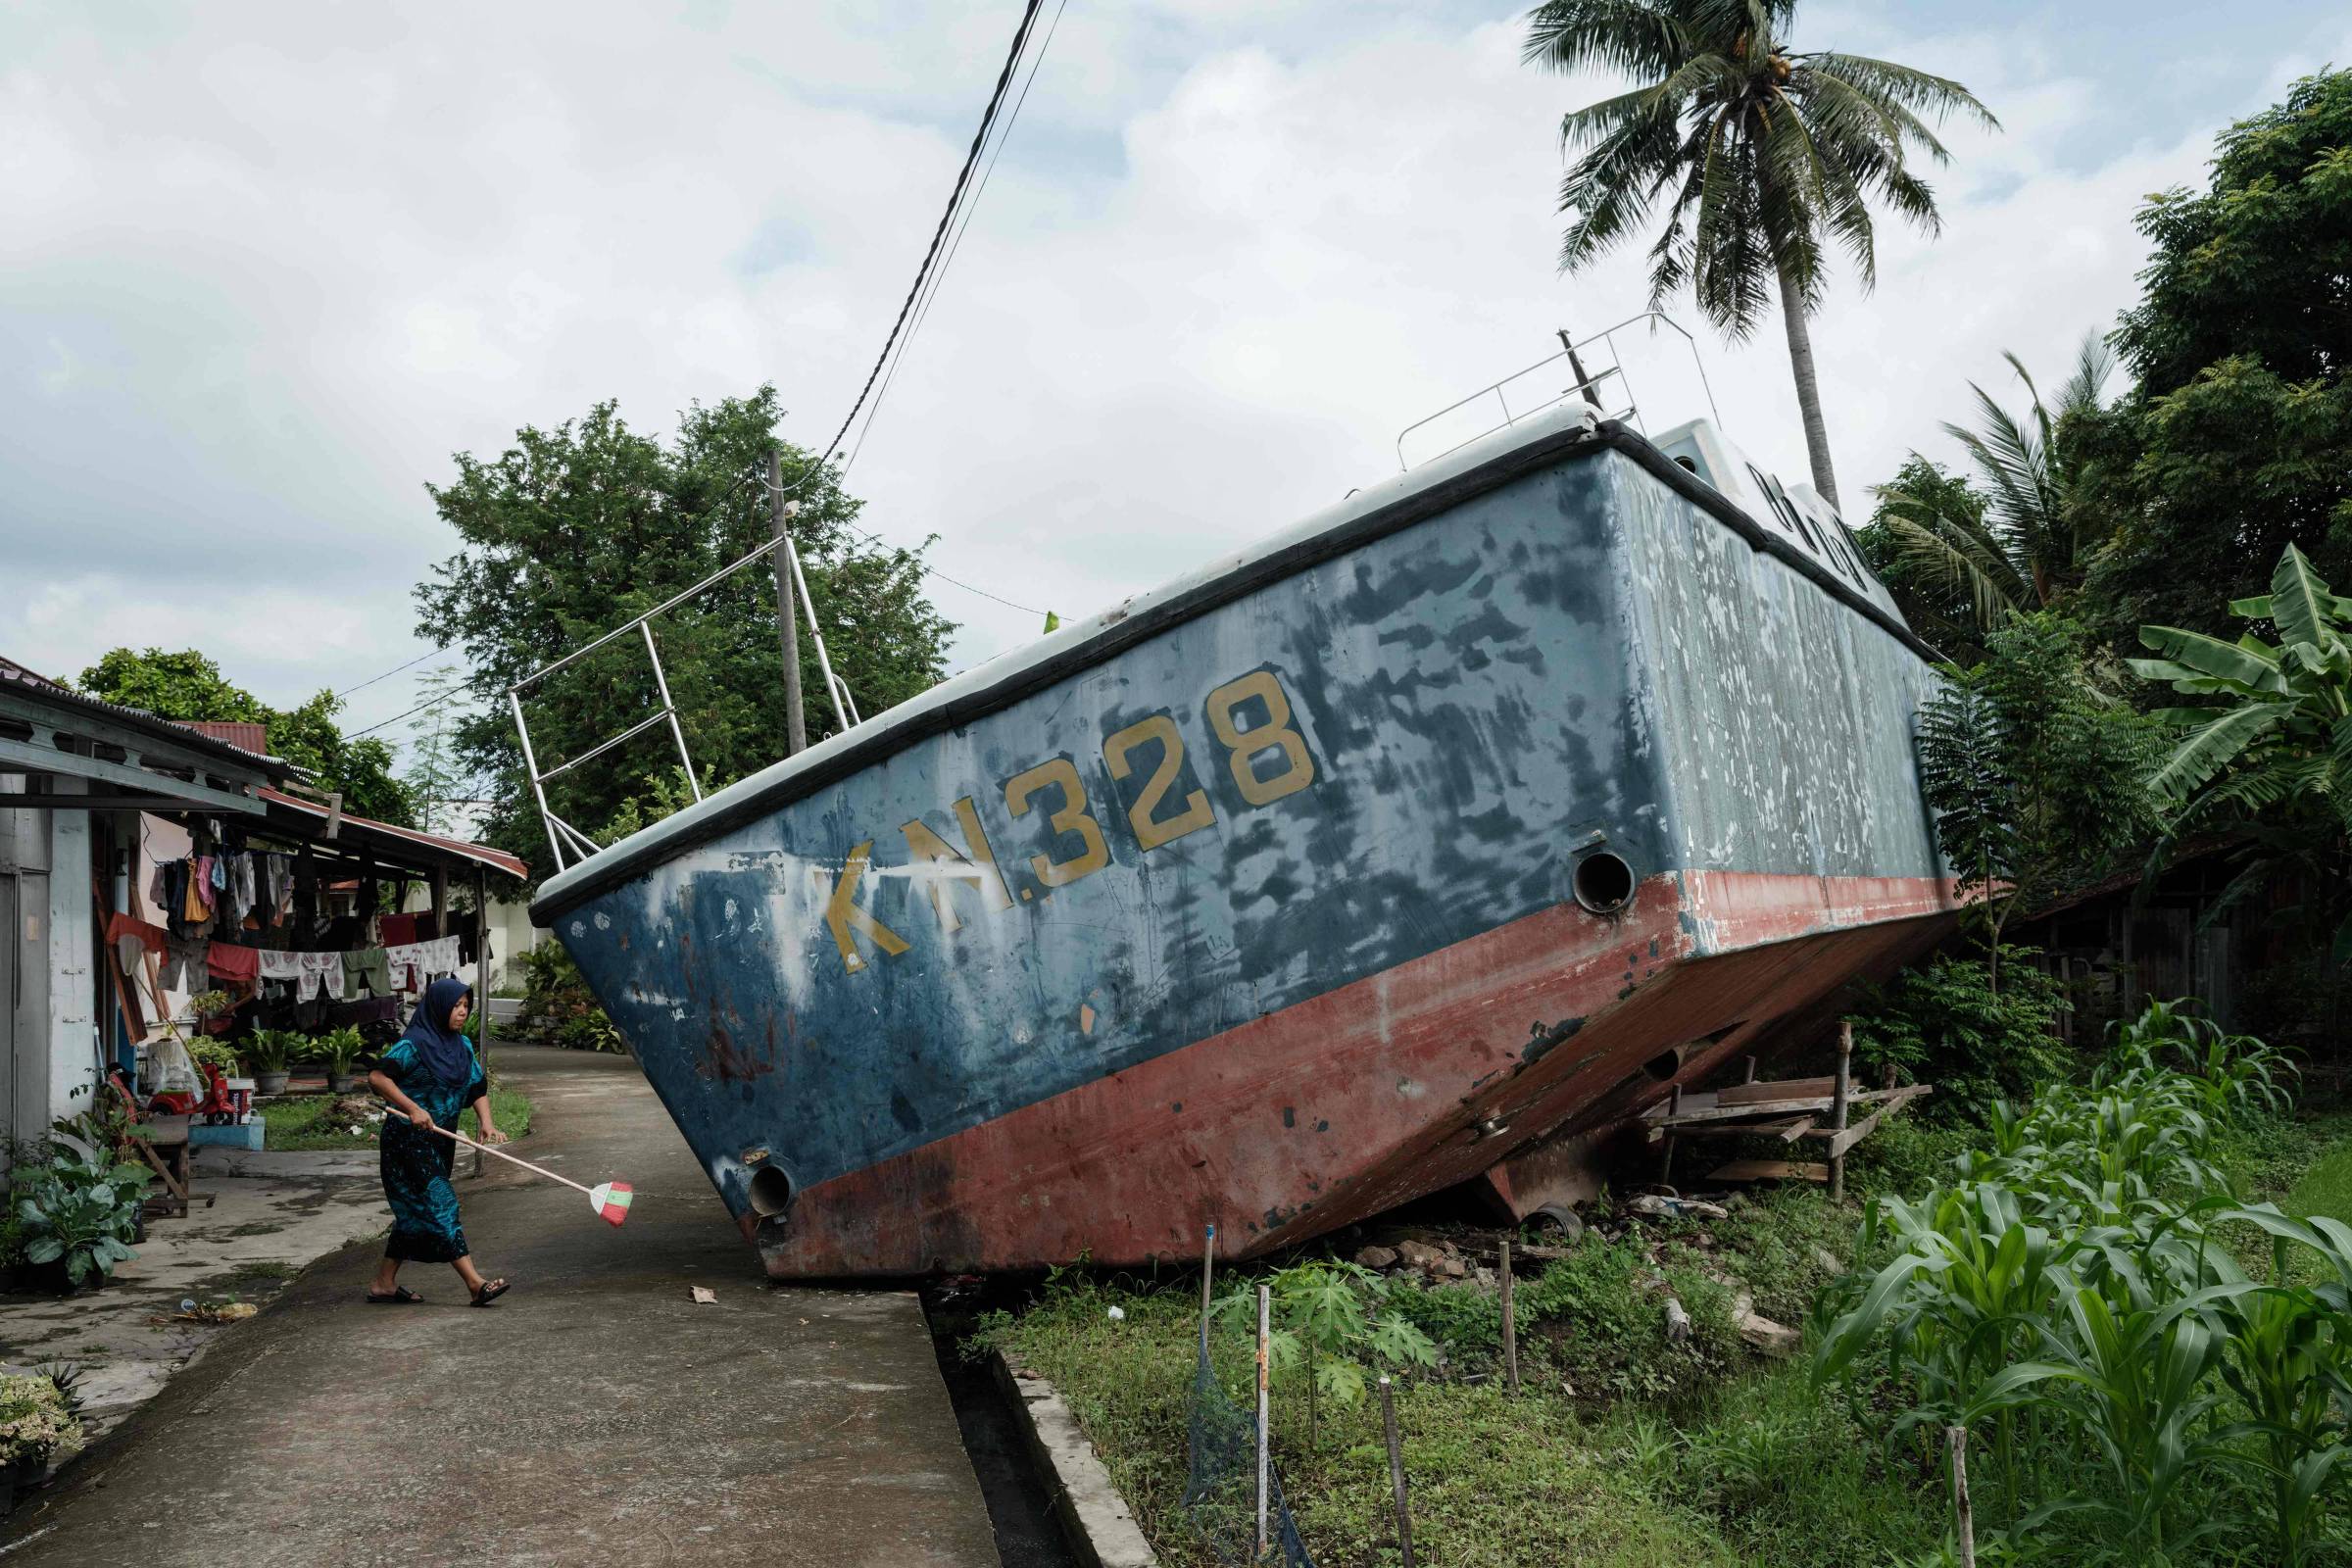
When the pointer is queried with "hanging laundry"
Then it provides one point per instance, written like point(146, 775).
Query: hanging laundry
point(276, 966)
point(185, 965)
point(398, 930)
point(372, 966)
point(129, 928)
point(229, 961)
point(405, 962)
point(322, 969)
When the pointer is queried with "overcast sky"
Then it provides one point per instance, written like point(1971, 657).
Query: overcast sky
point(263, 268)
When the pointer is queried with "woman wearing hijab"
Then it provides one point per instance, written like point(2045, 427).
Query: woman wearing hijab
point(428, 1076)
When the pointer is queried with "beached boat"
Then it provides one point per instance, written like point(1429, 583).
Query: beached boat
point(1416, 844)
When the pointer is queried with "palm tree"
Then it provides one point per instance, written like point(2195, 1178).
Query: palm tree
point(1770, 153)
point(2014, 541)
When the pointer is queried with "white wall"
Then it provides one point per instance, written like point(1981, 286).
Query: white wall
point(73, 1058)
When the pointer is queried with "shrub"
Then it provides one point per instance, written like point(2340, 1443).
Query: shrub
point(80, 1208)
point(36, 1421)
point(1949, 1025)
point(557, 1006)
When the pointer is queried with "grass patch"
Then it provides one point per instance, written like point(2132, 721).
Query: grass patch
point(2326, 1188)
point(510, 1108)
point(298, 1122)
point(1495, 1481)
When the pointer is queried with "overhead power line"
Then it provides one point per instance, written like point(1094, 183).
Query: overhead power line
point(971, 157)
point(389, 673)
point(922, 310)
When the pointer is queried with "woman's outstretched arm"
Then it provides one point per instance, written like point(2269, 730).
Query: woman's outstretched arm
point(382, 1082)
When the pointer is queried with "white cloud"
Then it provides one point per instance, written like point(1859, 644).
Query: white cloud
point(260, 277)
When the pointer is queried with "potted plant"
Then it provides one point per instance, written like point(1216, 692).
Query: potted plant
point(212, 1010)
point(269, 1053)
point(36, 1421)
point(341, 1049)
point(76, 1213)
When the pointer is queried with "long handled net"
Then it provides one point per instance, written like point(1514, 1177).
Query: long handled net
point(1220, 1495)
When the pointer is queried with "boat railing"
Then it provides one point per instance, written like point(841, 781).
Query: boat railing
point(568, 843)
point(1608, 389)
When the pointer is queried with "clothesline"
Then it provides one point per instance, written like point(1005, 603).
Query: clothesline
point(188, 963)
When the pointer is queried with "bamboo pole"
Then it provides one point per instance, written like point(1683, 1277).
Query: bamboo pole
point(1956, 1438)
point(1510, 1327)
point(1837, 1107)
point(1264, 1300)
point(1405, 1512)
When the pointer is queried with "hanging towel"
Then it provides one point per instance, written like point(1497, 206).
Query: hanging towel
point(398, 930)
point(229, 961)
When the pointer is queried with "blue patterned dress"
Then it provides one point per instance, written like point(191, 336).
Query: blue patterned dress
point(415, 1164)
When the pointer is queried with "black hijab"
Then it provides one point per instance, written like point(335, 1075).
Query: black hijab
point(443, 1048)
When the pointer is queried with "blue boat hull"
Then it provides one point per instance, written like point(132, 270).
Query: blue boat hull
point(1259, 901)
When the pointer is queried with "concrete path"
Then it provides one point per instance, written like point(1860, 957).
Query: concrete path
point(596, 1416)
point(270, 1214)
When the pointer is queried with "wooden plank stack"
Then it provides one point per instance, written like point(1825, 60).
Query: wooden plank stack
point(1787, 1108)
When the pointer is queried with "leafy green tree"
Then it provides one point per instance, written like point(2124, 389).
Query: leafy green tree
point(188, 686)
point(1973, 554)
point(2237, 441)
point(2034, 776)
point(2269, 767)
point(435, 778)
point(1769, 156)
point(574, 530)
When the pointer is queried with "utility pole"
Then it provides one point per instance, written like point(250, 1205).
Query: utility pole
point(787, 633)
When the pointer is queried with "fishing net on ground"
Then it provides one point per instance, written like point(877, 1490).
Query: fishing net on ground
point(1221, 1497)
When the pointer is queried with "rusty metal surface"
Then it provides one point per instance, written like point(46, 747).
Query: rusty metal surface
point(919, 988)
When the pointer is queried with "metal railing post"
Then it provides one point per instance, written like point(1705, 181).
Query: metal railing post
point(531, 767)
point(662, 684)
point(816, 634)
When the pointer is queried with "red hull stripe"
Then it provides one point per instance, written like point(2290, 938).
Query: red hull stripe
point(1346, 1105)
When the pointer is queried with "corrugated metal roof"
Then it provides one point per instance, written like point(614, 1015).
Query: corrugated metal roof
point(56, 694)
point(238, 732)
point(458, 849)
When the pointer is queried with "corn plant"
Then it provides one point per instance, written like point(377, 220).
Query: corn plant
point(2288, 1359)
point(2072, 1277)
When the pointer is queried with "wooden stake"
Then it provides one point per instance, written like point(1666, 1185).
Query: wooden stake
point(1405, 1512)
point(1510, 1327)
point(1838, 1099)
point(1264, 1297)
point(1956, 1438)
point(1208, 1269)
point(1674, 1107)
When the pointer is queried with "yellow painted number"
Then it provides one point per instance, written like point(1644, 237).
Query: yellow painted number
point(1150, 829)
point(1071, 819)
point(1248, 744)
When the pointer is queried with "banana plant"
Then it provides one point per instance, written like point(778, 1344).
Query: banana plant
point(2272, 761)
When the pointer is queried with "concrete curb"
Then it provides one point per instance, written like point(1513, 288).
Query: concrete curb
point(1092, 1516)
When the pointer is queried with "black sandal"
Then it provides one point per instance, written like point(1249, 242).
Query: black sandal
point(401, 1295)
point(490, 1292)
